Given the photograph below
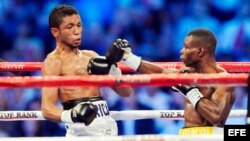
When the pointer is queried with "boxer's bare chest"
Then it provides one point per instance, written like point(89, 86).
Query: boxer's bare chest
point(76, 65)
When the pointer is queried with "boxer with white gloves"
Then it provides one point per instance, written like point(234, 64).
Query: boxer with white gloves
point(205, 106)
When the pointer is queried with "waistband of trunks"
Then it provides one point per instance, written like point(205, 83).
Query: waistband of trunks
point(201, 130)
point(72, 103)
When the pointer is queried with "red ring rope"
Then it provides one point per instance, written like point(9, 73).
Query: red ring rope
point(124, 80)
point(36, 66)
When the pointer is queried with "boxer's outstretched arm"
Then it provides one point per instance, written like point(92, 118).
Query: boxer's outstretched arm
point(217, 108)
point(120, 50)
point(147, 67)
point(50, 111)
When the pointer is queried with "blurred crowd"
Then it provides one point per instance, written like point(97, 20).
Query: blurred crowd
point(155, 29)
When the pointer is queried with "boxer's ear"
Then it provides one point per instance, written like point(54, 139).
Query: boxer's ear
point(202, 51)
point(54, 32)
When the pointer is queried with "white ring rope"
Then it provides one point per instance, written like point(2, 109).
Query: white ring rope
point(123, 138)
point(117, 115)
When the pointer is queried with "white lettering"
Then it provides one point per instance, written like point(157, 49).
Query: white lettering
point(236, 132)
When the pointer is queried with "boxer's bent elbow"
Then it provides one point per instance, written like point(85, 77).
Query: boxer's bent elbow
point(50, 115)
point(45, 113)
point(216, 120)
point(126, 93)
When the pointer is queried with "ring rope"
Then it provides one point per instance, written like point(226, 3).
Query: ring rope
point(152, 137)
point(116, 115)
point(36, 66)
point(125, 80)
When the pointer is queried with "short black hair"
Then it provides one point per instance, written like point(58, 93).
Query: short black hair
point(205, 37)
point(59, 12)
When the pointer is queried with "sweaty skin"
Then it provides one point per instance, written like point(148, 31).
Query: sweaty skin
point(66, 60)
point(214, 108)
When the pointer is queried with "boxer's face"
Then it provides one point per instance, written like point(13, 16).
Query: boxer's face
point(190, 52)
point(70, 31)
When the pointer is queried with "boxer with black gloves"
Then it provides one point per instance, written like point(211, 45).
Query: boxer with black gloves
point(85, 112)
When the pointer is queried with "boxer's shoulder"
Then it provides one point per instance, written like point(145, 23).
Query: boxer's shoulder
point(53, 58)
point(53, 55)
point(89, 53)
point(52, 64)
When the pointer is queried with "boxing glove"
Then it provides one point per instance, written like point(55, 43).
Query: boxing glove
point(120, 51)
point(100, 65)
point(83, 113)
point(192, 93)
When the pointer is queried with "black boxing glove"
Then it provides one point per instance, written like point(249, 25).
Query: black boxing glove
point(83, 113)
point(120, 51)
point(116, 51)
point(100, 65)
point(192, 93)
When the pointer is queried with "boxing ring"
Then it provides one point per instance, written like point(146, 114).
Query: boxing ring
point(238, 77)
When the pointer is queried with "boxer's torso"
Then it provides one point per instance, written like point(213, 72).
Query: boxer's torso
point(75, 64)
point(192, 117)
